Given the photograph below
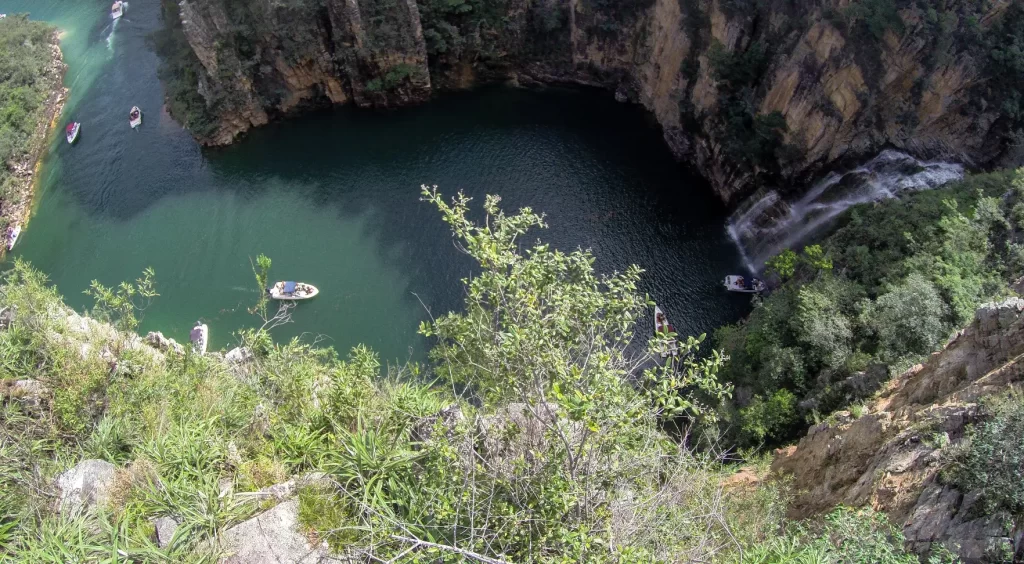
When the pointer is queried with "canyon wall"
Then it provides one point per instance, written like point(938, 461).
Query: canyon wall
point(751, 92)
point(891, 455)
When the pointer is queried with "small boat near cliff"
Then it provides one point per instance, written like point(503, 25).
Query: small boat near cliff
point(745, 285)
point(200, 336)
point(117, 10)
point(135, 117)
point(12, 236)
point(292, 291)
point(662, 325)
point(71, 131)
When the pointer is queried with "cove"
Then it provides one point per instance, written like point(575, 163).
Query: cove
point(333, 198)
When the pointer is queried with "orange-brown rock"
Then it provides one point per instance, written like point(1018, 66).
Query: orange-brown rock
point(889, 457)
point(845, 93)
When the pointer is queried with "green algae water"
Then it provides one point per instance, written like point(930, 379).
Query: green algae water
point(333, 198)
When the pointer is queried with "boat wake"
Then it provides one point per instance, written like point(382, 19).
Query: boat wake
point(765, 224)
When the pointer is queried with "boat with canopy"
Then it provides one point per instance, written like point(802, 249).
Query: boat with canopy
point(292, 291)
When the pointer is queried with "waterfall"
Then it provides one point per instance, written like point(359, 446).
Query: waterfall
point(765, 224)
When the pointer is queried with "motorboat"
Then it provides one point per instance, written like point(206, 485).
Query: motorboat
point(200, 336)
point(744, 284)
point(117, 10)
point(662, 326)
point(135, 117)
point(292, 291)
point(71, 131)
point(12, 236)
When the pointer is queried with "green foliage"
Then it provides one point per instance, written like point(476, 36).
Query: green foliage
point(181, 72)
point(991, 460)
point(908, 319)
point(846, 536)
point(769, 417)
point(751, 139)
point(877, 16)
point(122, 305)
point(261, 271)
point(885, 287)
point(544, 324)
point(24, 56)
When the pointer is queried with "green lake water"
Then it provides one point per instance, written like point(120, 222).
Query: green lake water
point(333, 198)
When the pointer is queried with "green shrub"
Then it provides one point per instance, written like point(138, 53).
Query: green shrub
point(909, 319)
point(769, 417)
point(991, 460)
point(847, 536)
point(886, 287)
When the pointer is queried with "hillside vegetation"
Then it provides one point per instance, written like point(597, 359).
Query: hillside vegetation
point(25, 54)
point(553, 451)
point(888, 286)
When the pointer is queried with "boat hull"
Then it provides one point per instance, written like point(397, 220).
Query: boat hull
point(200, 336)
point(137, 121)
point(73, 135)
point(734, 283)
point(276, 294)
point(12, 237)
point(662, 327)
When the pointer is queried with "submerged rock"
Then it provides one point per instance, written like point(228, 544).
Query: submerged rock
point(86, 485)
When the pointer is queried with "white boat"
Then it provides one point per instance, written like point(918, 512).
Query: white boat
point(12, 236)
point(292, 291)
point(200, 336)
point(744, 284)
point(117, 9)
point(135, 117)
point(662, 325)
point(72, 131)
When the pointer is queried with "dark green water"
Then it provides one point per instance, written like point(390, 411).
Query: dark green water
point(333, 198)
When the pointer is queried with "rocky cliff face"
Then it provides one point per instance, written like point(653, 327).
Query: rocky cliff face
point(749, 91)
point(890, 456)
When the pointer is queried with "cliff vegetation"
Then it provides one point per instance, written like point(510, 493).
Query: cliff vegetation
point(31, 95)
point(532, 434)
point(751, 93)
point(884, 289)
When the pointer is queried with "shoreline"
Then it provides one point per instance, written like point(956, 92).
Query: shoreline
point(25, 169)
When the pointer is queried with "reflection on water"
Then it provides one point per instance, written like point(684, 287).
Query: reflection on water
point(333, 198)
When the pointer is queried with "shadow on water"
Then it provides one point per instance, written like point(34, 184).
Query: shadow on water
point(333, 197)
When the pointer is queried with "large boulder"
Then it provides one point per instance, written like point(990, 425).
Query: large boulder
point(272, 537)
point(86, 485)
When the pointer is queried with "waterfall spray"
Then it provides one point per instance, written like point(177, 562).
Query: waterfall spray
point(765, 224)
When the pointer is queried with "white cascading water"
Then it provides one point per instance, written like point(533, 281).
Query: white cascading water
point(765, 224)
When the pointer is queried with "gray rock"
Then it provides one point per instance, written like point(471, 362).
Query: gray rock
point(238, 355)
point(285, 490)
point(29, 393)
point(86, 485)
point(272, 537)
point(7, 316)
point(165, 528)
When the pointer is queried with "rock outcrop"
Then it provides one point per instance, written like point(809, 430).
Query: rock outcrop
point(86, 485)
point(271, 537)
point(890, 456)
point(747, 91)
